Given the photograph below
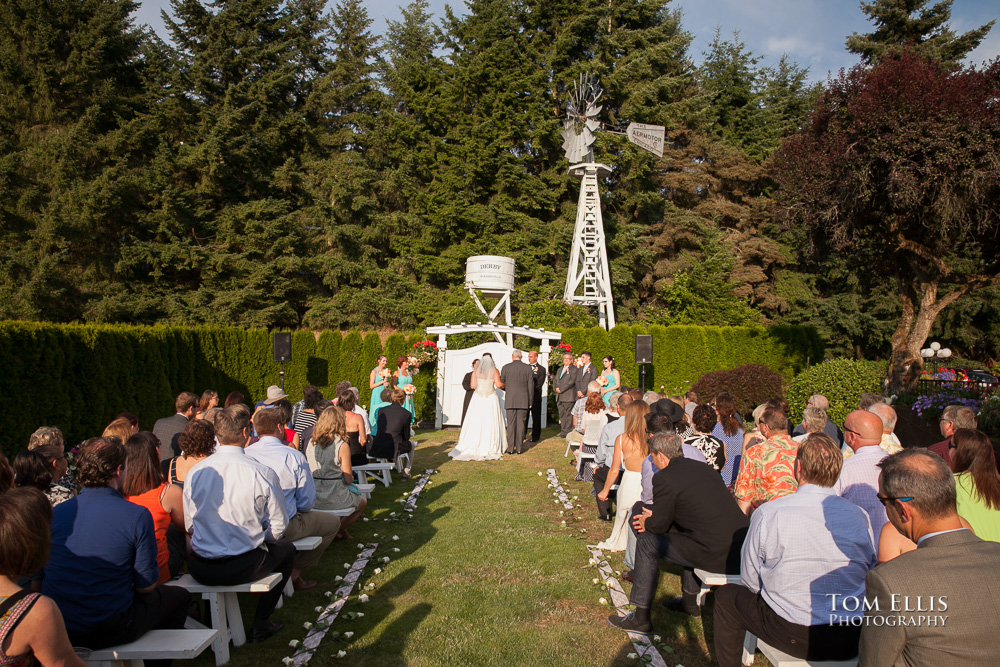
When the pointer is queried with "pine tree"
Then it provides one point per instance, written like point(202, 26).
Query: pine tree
point(918, 24)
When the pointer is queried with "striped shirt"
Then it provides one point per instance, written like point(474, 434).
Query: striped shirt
point(859, 483)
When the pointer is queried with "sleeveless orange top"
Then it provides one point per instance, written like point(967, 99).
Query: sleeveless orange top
point(161, 521)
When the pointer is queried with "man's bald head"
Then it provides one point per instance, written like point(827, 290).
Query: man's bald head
point(864, 428)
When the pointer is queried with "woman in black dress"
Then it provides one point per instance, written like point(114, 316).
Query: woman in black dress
point(469, 391)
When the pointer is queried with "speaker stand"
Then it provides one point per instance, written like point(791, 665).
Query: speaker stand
point(281, 375)
point(643, 378)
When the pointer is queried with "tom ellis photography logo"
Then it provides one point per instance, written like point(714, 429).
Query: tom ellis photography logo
point(903, 611)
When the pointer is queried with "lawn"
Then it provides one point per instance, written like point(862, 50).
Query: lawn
point(485, 575)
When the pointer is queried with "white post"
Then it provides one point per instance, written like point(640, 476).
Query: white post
point(439, 399)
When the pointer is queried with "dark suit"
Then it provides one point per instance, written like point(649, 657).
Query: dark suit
point(469, 391)
point(585, 377)
point(519, 387)
point(564, 380)
point(167, 431)
point(696, 523)
point(393, 434)
point(959, 566)
point(538, 373)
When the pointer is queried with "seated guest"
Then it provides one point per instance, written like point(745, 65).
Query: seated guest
point(823, 403)
point(297, 485)
point(144, 485)
point(594, 419)
point(977, 482)
point(168, 429)
point(121, 428)
point(813, 421)
point(6, 474)
point(950, 566)
point(729, 430)
point(630, 450)
point(360, 411)
point(690, 403)
point(232, 506)
point(704, 421)
point(953, 417)
point(234, 398)
point(753, 436)
point(386, 397)
point(306, 417)
point(890, 443)
point(766, 472)
point(50, 435)
point(805, 558)
point(288, 435)
point(38, 467)
point(31, 627)
point(132, 420)
point(580, 411)
point(307, 434)
point(651, 398)
point(393, 430)
point(209, 399)
point(197, 442)
point(694, 523)
point(329, 457)
point(858, 480)
point(103, 572)
point(354, 425)
point(606, 450)
point(868, 399)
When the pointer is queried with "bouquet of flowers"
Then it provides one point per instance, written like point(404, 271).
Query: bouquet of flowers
point(578, 362)
point(409, 389)
point(414, 365)
point(385, 373)
point(603, 381)
point(561, 349)
point(424, 352)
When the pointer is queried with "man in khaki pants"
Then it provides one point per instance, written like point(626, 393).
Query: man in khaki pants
point(300, 493)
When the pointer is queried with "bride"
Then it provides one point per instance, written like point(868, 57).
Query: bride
point(484, 432)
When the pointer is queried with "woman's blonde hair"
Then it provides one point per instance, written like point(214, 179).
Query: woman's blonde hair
point(330, 425)
point(119, 427)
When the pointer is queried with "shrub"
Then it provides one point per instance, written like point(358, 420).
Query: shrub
point(750, 385)
point(989, 417)
point(842, 381)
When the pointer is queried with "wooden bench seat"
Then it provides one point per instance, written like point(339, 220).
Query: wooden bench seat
point(154, 645)
point(380, 470)
point(710, 579)
point(302, 544)
point(225, 608)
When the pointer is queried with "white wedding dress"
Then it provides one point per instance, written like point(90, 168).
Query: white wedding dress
point(484, 432)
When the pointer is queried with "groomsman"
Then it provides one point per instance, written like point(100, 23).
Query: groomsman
point(564, 384)
point(538, 374)
point(588, 373)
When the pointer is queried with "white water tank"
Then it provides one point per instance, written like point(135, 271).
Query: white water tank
point(491, 274)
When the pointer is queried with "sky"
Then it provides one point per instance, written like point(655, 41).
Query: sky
point(810, 32)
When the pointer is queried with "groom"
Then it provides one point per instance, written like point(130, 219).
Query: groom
point(517, 381)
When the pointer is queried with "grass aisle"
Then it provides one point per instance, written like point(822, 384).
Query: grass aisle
point(485, 575)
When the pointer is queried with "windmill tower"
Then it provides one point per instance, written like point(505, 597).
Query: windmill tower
point(588, 279)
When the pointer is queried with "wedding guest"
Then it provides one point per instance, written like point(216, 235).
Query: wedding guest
point(103, 571)
point(197, 442)
point(693, 522)
point(234, 398)
point(288, 435)
point(890, 443)
point(564, 386)
point(360, 411)
point(378, 381)
point(329, 457)
point(168, 429)
point(630, 450)
point(813, 421)
point(604, 456)
point(767, 469)
point(977, 482)
point(31, 626)
point(868, 399)
point(823, 403)
point(594, 419)
point(858, 481)
point(209, 399)
point(298, 488)
point(651, 398)
point(307, 434)
point(612, 377)
point(6, 475)
point(704, 422)
point(690, 403)
point(579, 411)
point(143, 484)
point(311, 396)
point(232, 506)
point(354, 426)
point(392, 434)
point(120, 428)
point(401, 378)
point(729, 430)
point(38, 467)
point(753, 436)
point(805, 557)
point(953, 417)
point(274, 394)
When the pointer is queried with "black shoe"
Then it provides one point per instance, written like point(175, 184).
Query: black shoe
point(628, 577)
point(534, 440)
point(265, 630)
point(606, 519)
point(680, 606)
point(629, 623)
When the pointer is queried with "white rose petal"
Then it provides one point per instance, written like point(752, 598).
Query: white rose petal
point(361, 546)
point(395, 538)
point(348, 635)
point(603, 601)
point(395, 549)
point(592, 562)
point(363, 597)
point(338, 578)
point(562, 523)
point(286, 660)
point(596, 580)
point(656, 638)
point(360, 615)
point(318, 610)
point(539, 473)
point(364, 518)
point(347, 566)
point(385, 559)
point(294, 643)
point(378, 570)
point(374, 534)
point(370, 586)
point(341, 654)
point(632, 656)
point(329, 594)
point(307, 625)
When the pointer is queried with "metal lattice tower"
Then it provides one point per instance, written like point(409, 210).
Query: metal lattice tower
point(588, 260)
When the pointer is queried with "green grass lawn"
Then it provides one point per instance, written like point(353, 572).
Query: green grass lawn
point(485, 575)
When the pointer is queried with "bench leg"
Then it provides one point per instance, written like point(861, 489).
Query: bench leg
point(702, 593)
point(289, 588)
point(219, 622)
point(386, 478)
point(749, 648)
point(235, 619)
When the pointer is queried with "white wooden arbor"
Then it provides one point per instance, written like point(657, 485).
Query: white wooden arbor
point(454, 364)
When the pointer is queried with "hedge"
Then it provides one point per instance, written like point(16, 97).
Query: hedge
point(842, 381)
point(78, 377)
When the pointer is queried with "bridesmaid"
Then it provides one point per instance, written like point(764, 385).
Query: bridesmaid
point(400, 378)
point(378, 381)
point(613, 377)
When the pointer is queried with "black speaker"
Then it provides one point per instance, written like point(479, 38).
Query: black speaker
point(282, 346)
point(644, 349)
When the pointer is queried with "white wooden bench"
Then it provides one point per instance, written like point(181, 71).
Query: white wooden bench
point(781, 659)
point(709, 579)
point(225, 609)
point(581, 457)
point(380, 470)
point(154, 645)
point(302, 544)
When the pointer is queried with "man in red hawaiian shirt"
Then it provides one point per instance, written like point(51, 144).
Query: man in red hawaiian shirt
point(767, 469)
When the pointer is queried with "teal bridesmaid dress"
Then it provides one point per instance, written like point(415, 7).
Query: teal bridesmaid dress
point(611, 380)
point(375, 404)
point(401, 382)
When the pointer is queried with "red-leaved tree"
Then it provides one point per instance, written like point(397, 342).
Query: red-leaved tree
point(898, 169)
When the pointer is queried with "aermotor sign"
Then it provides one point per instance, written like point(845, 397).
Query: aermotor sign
point(649, 137)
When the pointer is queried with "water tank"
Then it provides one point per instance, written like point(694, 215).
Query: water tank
point(490, 273)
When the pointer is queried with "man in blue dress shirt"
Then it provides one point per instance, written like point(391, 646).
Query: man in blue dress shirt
point(102, 571)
